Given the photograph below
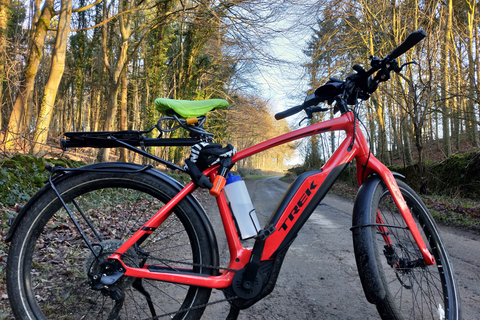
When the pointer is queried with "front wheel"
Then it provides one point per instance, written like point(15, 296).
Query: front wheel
point(52, 274)
point(390, 265)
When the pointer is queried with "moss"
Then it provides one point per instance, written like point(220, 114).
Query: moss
point(458, 175)
point(22, 175)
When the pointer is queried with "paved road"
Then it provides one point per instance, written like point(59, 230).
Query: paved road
point(319, 277)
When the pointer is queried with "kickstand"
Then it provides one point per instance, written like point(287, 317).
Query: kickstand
point(233, 314)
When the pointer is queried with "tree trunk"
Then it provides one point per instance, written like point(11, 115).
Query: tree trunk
point(382, 149)
point(477, 88)
point(56, 73)
point(406, 130)
point(472, 122)
point(447, 145)
point(456, 111)
point(24, 97)
point(136, 125)
point(4, 4)
point(123, 113)
point(115, 72)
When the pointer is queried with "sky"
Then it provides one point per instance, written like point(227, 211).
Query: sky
point(285, 85)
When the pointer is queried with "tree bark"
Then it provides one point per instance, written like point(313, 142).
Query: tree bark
point(472, 122)
point(56, 73)
point(123, 113)
point(25, 94)
point(4, 5)
point(447, 145)
point(382, 149)
point(406, 129)
point(115, 71)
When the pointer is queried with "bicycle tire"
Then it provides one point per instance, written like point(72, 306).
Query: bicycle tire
point(49, 269)
point(396, 281)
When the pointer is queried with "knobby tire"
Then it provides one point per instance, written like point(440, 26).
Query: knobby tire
point(49, 267)
point(400, 285)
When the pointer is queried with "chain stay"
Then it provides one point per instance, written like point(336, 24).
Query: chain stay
point(200, 306)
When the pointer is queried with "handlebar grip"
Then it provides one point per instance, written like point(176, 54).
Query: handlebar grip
point(289, 112)
point(318, 109)
point(414, 38)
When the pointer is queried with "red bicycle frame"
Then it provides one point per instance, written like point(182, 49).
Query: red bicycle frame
point(301, 199)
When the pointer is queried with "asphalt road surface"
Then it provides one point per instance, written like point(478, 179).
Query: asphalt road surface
point(319, 278)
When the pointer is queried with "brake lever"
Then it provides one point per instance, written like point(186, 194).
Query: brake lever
point(310, 110)
point(404, 65)
point(306, 118)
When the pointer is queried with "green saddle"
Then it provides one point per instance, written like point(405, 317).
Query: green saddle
point(189, 108)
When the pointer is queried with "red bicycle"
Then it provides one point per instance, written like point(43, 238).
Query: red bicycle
point(125, 241)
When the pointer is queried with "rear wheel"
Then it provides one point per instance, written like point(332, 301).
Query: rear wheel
point(52, 273)
point(390, 264)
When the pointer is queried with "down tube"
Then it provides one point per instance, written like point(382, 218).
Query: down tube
point(301, 199)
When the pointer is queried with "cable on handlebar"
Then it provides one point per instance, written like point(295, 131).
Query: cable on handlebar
point(356, 86)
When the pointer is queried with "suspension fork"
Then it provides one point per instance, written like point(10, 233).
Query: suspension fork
point(367, 165)
point(407, 216)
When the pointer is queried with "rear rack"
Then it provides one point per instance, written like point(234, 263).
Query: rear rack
point(115, 139)
point(126, 139)
point(132, 139)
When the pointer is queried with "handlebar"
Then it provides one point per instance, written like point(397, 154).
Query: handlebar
point(362, 78)
point(289, 112)
point(414, 38)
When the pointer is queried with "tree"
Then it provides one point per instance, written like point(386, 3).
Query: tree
point(249, 122)
point(440, 93)
point(25, 93)
point(446, 47)
point(472, 122)
point(4, 7)
point(58, 66)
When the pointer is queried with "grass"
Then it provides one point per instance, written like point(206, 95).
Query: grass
point(454, 211)
point(464, 213)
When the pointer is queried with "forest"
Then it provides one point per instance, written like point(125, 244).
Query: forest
point(93, 65)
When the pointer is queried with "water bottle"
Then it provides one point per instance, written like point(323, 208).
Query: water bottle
point(241, 206)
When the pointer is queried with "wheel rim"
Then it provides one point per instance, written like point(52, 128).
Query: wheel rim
point(55, 268)
point(417, 290)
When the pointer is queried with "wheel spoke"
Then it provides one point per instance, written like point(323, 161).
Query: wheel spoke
point(62, 276)
point(413, 289)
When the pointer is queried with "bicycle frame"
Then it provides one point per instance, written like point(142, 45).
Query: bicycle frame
point(296, 206)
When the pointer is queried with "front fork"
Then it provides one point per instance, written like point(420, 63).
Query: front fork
point(407, 216)
point(373, 165)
